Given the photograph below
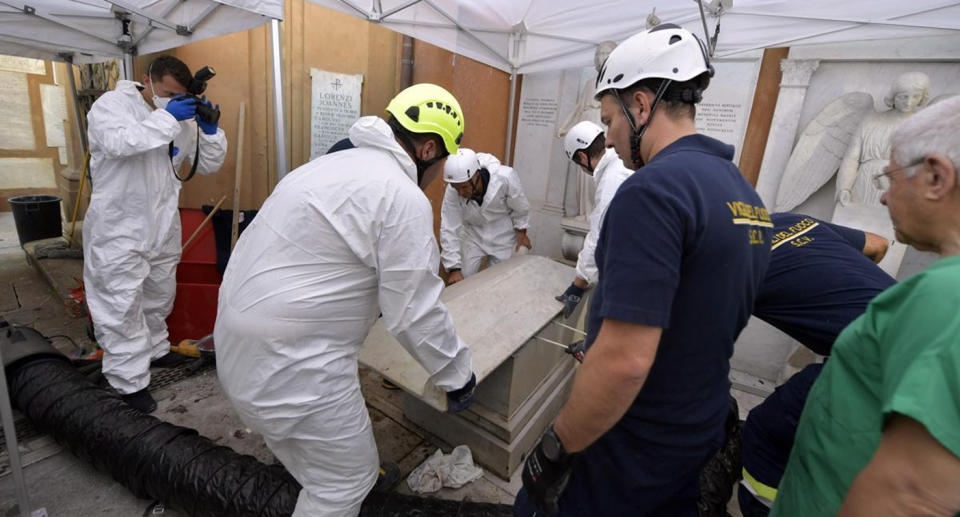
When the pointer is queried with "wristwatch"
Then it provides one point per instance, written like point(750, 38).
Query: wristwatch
point(553, 447)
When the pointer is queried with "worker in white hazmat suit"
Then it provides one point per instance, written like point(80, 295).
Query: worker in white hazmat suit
point(139, 134)
point(584, 146)
point(341, 239)
point(485, 214)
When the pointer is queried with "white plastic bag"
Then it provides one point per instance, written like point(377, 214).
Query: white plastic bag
point(451, 471)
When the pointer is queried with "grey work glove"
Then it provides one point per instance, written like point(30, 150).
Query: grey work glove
point(571, 298)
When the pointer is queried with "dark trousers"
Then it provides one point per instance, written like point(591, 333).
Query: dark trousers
point(594, 494)
point(749, 506)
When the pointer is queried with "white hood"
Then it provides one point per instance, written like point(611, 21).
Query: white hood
point(374, 132)
point(131, 89)
point(610, 157)
point(488, 161)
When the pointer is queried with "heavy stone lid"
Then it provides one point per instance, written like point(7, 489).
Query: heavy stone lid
point(495, 312)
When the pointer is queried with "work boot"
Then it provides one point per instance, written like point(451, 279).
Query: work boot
point(141, 400)
point(389, 475)
point(171, 360)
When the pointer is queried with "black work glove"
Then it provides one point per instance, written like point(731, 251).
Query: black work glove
point(460, 399)
point(546, 473)
point(577, 350)
point(570, 298)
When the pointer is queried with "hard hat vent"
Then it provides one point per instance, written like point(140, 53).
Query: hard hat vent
point(414, 113)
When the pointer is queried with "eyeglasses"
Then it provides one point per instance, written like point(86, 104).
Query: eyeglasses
point(882, 181)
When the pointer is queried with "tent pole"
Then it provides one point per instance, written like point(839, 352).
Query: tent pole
point(706, 32)
point(25, 509)
point(128, 66)
point(278, 123)
point(507, 152)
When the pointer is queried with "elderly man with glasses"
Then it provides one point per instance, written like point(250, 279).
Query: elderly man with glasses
point(880, 432)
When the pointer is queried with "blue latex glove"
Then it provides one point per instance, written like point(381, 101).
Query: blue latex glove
point(570, 298)
point(458, 400)
point(182, 107)
point(208, 128)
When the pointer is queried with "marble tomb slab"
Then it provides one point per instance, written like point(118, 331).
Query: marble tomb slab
point(495, 312)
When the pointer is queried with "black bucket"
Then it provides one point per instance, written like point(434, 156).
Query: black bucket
point(36, 217)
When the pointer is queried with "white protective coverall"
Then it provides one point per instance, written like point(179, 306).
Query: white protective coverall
point(607, 176)
point(342, 238)
point(469, 232)
point(131, 233)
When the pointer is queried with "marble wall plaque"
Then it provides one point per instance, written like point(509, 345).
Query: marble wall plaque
point(16, 132)
point(24, 65)
point(538, 112)
point(538, 156)
point(725, 109)
point(54, 116)
point(334, 107)
point(20, 173)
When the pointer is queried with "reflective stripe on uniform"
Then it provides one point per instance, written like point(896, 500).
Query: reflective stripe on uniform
point(766, 494)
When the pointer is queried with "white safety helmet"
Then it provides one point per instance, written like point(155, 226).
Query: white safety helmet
point(666, 51)
point(580, 137)
point(461, 167)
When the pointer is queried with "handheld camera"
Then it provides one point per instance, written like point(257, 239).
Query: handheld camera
point(198, 84)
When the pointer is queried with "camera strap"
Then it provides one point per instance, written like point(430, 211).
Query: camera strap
point(196, 160)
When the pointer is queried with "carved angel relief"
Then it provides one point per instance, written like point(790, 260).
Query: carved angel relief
point(851, 139)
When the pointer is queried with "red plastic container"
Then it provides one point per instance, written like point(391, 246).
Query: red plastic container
point(198, 282)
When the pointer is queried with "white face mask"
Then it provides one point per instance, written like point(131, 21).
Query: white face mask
point(159, 102)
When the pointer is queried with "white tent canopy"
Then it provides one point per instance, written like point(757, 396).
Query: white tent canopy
point(526, 36)
point(95, 30)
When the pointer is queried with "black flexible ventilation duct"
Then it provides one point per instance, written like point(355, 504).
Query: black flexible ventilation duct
point(164, 462)
point(154, 459)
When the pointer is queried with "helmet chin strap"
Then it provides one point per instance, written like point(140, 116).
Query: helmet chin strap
point(636, 133)
point(423, 165)
point(586, 165)
point(411, 148)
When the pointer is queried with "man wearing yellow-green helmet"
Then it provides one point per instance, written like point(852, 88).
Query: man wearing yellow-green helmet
point(342, 239)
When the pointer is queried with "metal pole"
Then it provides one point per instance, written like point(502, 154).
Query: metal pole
point(406, 62)
point(13, 450)
point(706, 32)
point(278, 122)
point(128, 66)
point(507, 151)
point(552, 342)
point(568, 327)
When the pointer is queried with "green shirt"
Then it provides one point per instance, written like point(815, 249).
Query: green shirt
point(901, 356)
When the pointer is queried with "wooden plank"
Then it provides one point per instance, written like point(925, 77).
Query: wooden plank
point(761, 114)
point(235, 225)
point(495, 312)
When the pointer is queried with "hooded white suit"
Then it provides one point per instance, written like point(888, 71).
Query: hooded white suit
point(469, 232)
point(607, 176)
point(131, 232)
point(342, 238)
